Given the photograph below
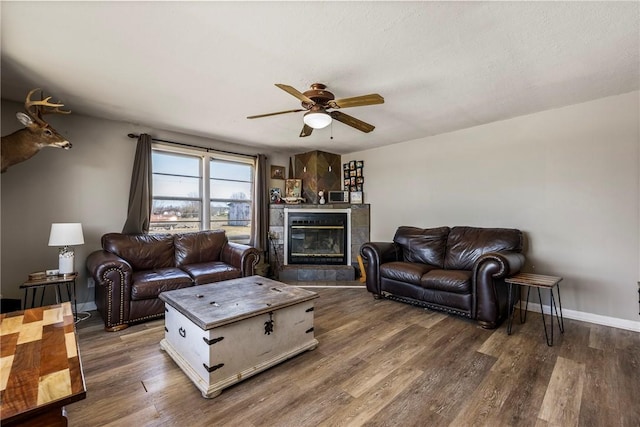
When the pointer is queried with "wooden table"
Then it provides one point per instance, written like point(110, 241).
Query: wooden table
point(538, 281)
point(40, 368)
point(221, 333)
point(69, 280)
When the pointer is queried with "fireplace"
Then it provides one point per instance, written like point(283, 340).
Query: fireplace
point(317, 237)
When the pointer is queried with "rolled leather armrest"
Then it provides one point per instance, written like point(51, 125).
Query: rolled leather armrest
point(112, 276)
point(491, 302)
point(240, 256)
point(100, 261)
point(376, 254)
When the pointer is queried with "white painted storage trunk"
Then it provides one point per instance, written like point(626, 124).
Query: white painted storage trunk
point(222, 333)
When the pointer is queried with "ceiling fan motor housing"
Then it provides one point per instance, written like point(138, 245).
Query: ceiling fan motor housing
point(318, 94)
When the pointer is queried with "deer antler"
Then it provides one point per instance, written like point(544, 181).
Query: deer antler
point(42, 107)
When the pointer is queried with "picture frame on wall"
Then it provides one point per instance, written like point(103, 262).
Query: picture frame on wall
point(277, 172)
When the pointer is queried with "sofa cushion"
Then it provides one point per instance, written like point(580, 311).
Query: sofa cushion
point(198, 247)
point(454, 281)
point(466, 244)
point(141, 251)
point(209, 272)
point(150, 283)
point(408, 272)
point(422, 245)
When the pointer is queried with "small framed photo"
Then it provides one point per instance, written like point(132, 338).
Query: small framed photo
point(356, 197)
point(345, 166)
point(358, 171)
point(359, 180)
point(352, 164)
point(359, 164)
point(274, 195)
point(359, 187)
point(352, 173)
point(352, 181)
point(277, 172)
point(347, 183)
point(293, 188)
point(346, 173)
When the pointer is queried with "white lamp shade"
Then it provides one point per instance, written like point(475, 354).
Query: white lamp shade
point(317, 119)
point(66, 234)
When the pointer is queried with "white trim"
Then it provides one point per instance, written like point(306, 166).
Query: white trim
point(598, 319)
point(331, 286)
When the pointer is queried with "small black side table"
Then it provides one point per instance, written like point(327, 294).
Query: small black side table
point(68, 280)
point(541, 282)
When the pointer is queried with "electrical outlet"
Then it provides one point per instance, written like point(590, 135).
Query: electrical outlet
point(90, 282)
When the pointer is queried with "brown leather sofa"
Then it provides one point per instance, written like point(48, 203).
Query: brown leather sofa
point(458, 270)
point(131, 271)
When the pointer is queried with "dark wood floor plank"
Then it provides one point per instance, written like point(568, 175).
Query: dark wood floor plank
point(379, 363)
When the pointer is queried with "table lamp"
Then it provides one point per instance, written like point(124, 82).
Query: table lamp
point(65, 235)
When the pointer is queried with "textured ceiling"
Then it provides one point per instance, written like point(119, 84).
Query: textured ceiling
point(202, 67)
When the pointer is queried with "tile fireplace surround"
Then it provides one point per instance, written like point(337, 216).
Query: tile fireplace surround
point(360, 222)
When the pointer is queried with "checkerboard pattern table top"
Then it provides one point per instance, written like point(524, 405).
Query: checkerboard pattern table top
point(221, 303)
point(536, 280)
point(39, 361)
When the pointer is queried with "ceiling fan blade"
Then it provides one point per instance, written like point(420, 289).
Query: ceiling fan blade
point(357, 101)
point(352, 121)
point(293, 91)
point(275, 114)
point(306, 131)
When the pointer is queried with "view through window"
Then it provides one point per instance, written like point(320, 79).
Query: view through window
point(202, 191)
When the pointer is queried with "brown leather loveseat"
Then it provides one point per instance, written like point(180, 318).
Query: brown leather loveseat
point(131, 271)
point(458, 270)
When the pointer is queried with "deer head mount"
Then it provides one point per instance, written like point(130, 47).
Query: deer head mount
point(25, 143)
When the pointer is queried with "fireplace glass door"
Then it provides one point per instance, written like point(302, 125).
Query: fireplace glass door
point(317, 238)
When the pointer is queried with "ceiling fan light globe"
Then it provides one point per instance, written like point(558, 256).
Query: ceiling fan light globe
point(317, 120)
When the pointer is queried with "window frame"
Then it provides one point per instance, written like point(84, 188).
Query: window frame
point(205, 199)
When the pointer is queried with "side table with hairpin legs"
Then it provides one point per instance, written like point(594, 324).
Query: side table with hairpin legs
point(541, 282)
point(57, 281)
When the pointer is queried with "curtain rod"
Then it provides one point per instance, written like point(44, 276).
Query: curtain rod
point(131, 135)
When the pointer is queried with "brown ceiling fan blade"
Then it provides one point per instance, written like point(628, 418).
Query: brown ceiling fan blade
point(275, 114)
point(293, 91)
point(306, 131)
point(357, 101)
point(352, 121)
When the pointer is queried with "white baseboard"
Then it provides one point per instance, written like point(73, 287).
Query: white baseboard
point(614, 322)
point(332, 286)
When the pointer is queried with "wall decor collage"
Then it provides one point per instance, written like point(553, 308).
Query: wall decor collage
point(354, 179)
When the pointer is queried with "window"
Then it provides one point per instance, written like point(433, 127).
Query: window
point(202, 191)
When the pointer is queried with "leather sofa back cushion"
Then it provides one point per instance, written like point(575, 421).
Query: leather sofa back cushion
point(466, 244)
point(202, 246)
point(142, 251)
point(422, 245)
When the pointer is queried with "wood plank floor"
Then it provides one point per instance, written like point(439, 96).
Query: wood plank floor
point(379, 363)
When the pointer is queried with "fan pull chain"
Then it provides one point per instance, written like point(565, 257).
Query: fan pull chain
point(331, 129)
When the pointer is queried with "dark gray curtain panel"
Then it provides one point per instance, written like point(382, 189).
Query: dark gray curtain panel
point(260, 218)
point(139, 211)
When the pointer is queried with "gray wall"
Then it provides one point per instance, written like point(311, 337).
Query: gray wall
point(568, 177)
point(88, 183)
